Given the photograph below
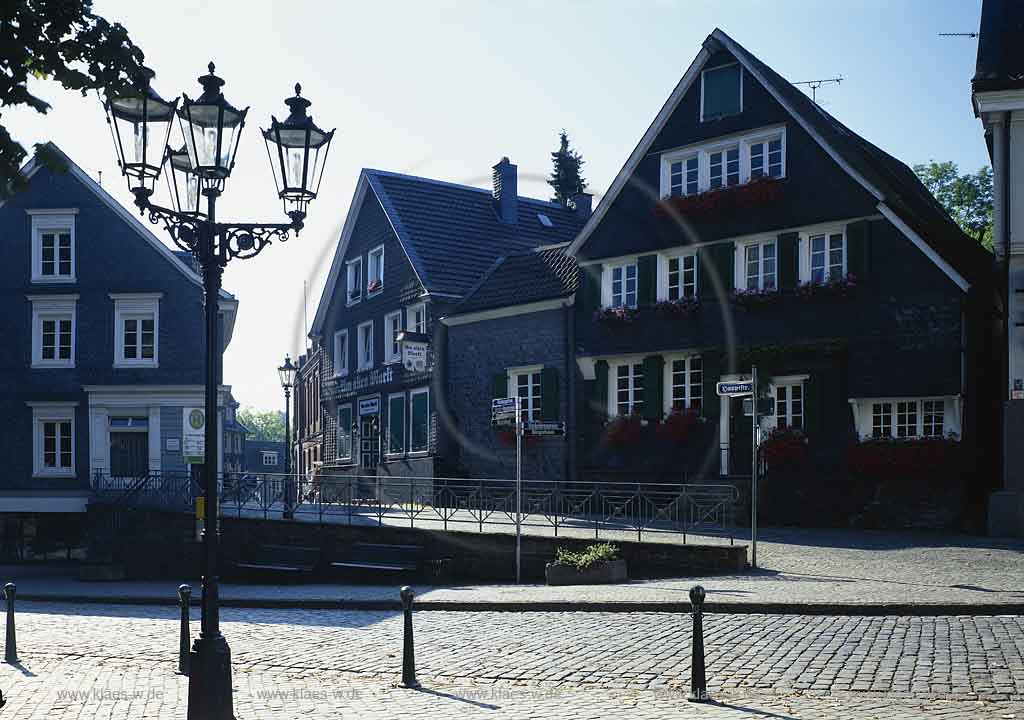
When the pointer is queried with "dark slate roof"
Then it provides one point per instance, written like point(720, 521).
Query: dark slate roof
point(1000, 63)
point(522, 278)
point(903, 191)
point(452, 233)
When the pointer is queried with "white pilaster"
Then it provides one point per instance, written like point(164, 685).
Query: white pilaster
point(723, 433)
point(99, 441)
point(155, 458)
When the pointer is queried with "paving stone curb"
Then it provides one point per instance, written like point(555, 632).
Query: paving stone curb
point(736, 608)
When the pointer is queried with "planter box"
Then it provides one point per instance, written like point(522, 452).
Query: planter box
point(613, 571)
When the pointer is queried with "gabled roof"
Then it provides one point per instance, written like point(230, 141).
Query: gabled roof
point(523, 278)
point(901, 196)
point(174, 257)
point(451, 233)
point(1000, 63)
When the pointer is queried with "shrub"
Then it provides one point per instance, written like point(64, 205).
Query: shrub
point(593, 554)
point(624, 431)
point(784, 447)
point(677, 426)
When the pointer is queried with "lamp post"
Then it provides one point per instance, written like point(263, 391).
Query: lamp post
point(287, 374)
point(140, 122)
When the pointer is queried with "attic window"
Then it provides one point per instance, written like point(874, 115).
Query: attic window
point(545, 220)
point(721, 92)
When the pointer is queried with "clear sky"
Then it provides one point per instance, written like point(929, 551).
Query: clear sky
point(444, 89)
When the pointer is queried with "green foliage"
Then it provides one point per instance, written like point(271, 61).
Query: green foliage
point(566, 172)
point(63, 41)
point(597, 553)
point(967, 198)
point(262, 424)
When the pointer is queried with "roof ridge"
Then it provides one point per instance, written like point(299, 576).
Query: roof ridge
point(460, 186)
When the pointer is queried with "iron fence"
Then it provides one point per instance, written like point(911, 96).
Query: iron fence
point(611, 509)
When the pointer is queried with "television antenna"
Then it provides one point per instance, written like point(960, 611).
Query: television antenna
point(815, 84)
point(960, 34)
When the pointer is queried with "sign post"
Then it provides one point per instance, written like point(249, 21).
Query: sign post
point(753, 473)
point(519, 486)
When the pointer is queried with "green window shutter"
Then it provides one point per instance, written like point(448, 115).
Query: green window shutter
point(647, 280)
point(549, 409)
point(812, 403)
point(653, 377)
point(600, 400)
point(789, 272)
point(499, 385)
point(590, 289)
point(717, 260)
point(858, 248)
point(711, 364)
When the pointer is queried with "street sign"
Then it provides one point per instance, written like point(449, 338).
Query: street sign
point(735, 389)
point(508, 403)
point(766, 406)
point(193, 436)
point(544, 427)
point(503, 420)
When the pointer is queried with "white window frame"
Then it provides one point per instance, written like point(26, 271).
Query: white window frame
point(408, 440)
point(613, 385)
point(362, 362)
point(392, 349)
point(703, 153)
point(863, 411)
point(740, 272)
point(667, 382)
point(806, 250)
point(52, 307)
point(410, 317)
point(377, 251)
point(684, 184)
point(47, 222)
point(789, 384)
point(388, 451)
point(348, 430)
point(341, 354)
point(45, 412)
point(746, 154)
point(353, 283)
point(270, 458)
point(607, 283)
point(136, 306)
point(712, 69)
point(532, 406)
point(663, 273)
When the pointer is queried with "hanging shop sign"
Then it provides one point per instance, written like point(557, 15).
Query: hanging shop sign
point(369, 406)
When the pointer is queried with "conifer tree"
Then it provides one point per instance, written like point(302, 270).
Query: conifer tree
point(566, 172)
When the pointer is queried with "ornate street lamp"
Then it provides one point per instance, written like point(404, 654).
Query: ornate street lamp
point(287, 374)
point(140, 123)
point(297, 149)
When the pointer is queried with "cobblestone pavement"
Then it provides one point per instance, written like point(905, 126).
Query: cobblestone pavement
point(797, 566)
point(961, 658)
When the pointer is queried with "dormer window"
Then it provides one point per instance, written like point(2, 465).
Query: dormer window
point(354, 288)
point(721, 92)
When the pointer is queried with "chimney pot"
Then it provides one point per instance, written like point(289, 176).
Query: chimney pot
point(506, 191)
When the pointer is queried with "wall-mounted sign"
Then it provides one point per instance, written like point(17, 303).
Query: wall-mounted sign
point(193, 431)
point(369, 406)
point(414, 356)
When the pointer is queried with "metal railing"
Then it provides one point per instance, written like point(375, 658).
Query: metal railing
point(621, 510)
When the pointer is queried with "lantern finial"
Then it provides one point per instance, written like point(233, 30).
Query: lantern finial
point(298, 89)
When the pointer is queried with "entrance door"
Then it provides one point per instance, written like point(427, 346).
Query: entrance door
point(369, 442)
point(129, 454)
point(741, 452)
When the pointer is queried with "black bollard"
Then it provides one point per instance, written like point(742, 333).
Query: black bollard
point(11, 646)
point(184, 645)
point(698, 682)
point(408, 660)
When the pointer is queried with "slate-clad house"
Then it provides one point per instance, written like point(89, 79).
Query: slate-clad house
point(997, 95)
point(512, 337)
point(411, 248)
point(102, 352)
point(264, 456)
point(748, 227)
point(308, 413)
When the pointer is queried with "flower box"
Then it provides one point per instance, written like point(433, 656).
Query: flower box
point(677, 426)
point(837, 288)
point(753, 299)
point(677, 309)
point(723, 201)
point(624, 431)
point(600, 573)
point(617, 316)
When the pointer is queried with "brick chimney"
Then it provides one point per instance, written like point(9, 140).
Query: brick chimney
point(582, 202)
point(506, 191)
